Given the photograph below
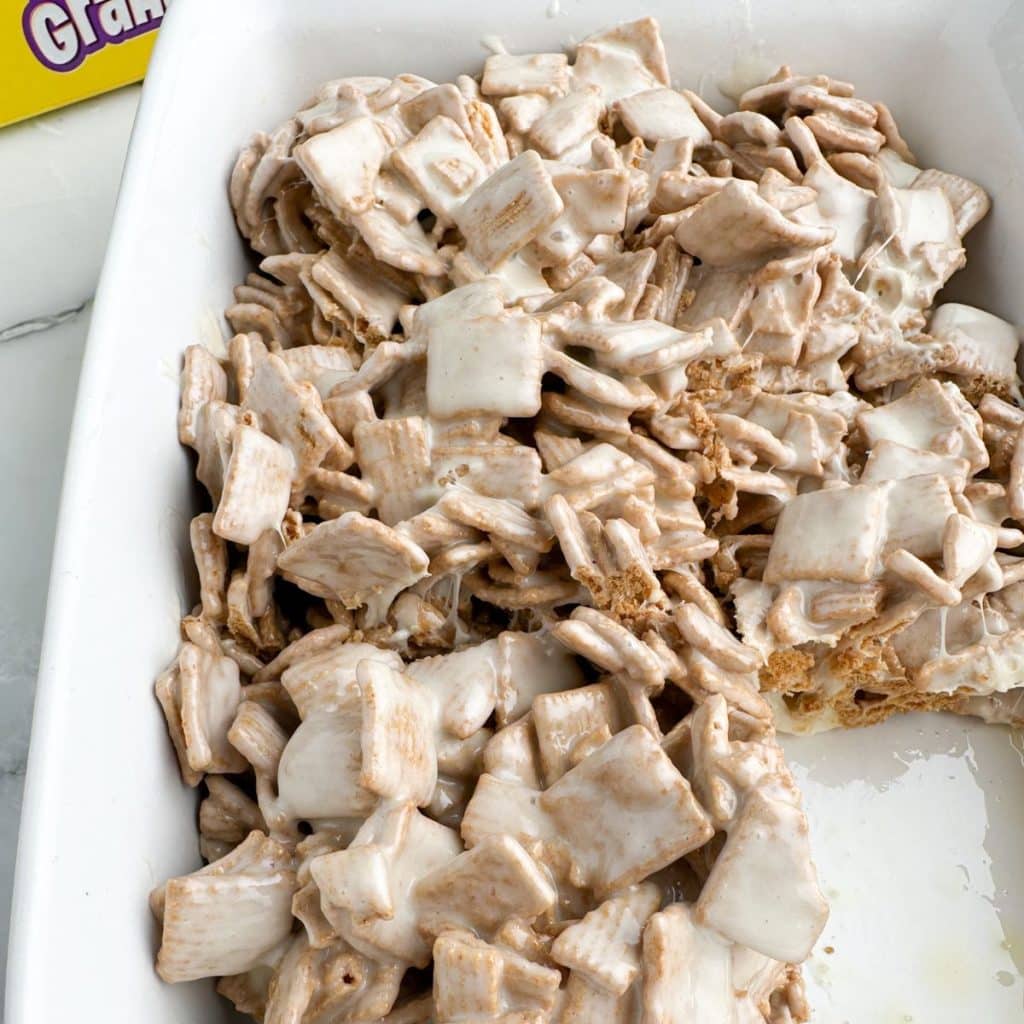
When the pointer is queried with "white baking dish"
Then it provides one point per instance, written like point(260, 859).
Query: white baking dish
point(919, 824)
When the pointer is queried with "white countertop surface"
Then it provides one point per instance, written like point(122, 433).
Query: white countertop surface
point(61, 174)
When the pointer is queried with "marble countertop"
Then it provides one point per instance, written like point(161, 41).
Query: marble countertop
point(61, 174)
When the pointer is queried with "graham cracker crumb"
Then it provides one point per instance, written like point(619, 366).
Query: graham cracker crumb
point(624, 594)
point(787, 672)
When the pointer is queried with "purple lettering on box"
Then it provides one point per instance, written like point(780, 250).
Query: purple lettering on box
point(62, 33)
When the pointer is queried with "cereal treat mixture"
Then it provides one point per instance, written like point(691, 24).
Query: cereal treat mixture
point(573, 437)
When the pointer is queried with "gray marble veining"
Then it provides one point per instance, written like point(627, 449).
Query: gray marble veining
point(35, 418)
point(61, 172)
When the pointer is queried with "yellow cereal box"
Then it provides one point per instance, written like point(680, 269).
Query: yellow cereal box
point(54, 52)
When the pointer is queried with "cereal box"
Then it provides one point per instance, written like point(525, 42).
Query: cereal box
point(55, 52)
